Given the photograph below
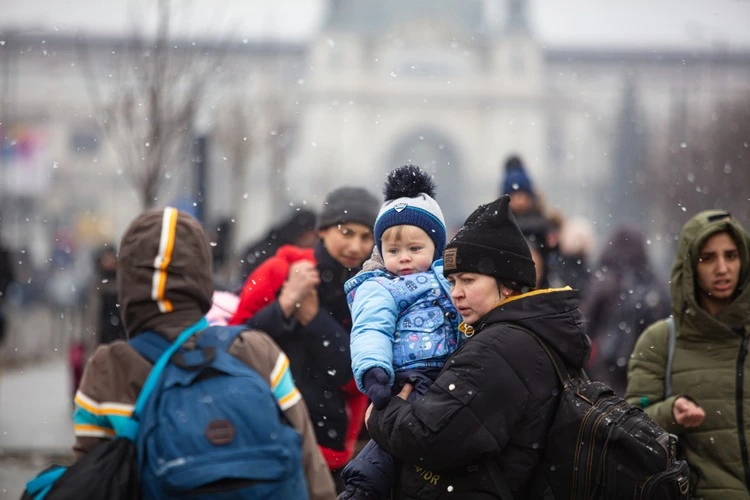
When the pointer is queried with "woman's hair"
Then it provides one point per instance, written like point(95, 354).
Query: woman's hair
point(510, 285)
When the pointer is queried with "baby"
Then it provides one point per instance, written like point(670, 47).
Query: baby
point(404, 324)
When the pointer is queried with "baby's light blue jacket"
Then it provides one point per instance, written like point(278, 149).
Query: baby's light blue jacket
point(401, 322)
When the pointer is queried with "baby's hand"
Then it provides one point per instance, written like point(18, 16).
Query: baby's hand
point(377, 387)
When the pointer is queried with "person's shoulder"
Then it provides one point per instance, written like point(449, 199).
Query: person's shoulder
point(258, 351)
point(367, 279)
point(499, 346)
point(377, 276)
point(654, 337)
point(115, 354)
point(258, 342)
point(110, 366)
point(507, 339)
point(490, 335)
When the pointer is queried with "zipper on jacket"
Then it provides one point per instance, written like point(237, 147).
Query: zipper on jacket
point(739, 396)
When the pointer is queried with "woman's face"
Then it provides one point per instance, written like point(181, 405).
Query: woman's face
point(473, 295)
point(718, 272)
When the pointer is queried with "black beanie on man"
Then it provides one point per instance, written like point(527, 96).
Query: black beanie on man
point(349, 204)
point(491, 243)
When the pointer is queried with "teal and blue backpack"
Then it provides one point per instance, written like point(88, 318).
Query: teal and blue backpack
point(205, 425)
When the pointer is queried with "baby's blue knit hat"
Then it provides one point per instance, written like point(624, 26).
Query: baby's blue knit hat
point(410, 200)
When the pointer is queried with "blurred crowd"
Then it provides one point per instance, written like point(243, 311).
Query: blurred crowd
point(298, 284)
point(620, 290)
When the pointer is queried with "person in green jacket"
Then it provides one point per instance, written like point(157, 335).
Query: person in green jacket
point(709, 405)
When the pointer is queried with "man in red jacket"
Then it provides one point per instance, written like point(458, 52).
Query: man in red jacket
point(297, 297)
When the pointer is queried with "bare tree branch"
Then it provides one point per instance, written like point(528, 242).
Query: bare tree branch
point(706, 166)
point(147, 112)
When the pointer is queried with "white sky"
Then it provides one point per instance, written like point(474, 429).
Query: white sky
point(644, 23)
point(252, 19)
point(617, 23)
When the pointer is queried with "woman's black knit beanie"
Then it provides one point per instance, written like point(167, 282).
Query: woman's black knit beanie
point(491, 243)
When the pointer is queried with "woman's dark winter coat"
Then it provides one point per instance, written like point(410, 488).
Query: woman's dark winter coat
point(491, 406)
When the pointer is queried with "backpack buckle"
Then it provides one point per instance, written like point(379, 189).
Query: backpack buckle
point(672, 444)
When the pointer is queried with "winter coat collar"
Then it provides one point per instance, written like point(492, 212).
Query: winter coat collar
point(333, 276)
point(331, 272)
point(553, 315)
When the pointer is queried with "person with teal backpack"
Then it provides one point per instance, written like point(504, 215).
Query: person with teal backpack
point(223, 419)
point(110, 470)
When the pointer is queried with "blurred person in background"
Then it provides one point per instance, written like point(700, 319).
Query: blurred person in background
point(104, 322)
point(624, 296)
point(223, 306)
point(101, 323)
point(540, 263)
point(7, 276)
point(525, 202)
point(67, 293)
point(297, 229)
point(569, 259)
point(555, 221)
point(297, 297)
point(528, 210)
point(517, 183)
point(707, 403)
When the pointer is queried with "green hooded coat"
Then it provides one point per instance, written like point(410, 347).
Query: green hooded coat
point(709, 367)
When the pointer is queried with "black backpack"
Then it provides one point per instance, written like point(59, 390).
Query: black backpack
point(601, 447)
point(109, 470)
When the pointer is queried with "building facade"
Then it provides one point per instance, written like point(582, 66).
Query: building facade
point(450, 85)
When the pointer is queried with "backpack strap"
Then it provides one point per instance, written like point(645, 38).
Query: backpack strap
point(541, 485)
point(498, 480)
point(40, 485)
point(161, 362)
point(563, 374)
point(150, 345)
point(220, 337)
point(671, 340)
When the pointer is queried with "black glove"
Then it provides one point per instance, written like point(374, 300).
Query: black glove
point(377, 387)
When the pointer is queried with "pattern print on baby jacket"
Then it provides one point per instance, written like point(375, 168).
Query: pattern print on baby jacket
point(414, 315)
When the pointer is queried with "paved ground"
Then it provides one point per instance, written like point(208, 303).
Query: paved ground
point(35, 421)
point(14, 473)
